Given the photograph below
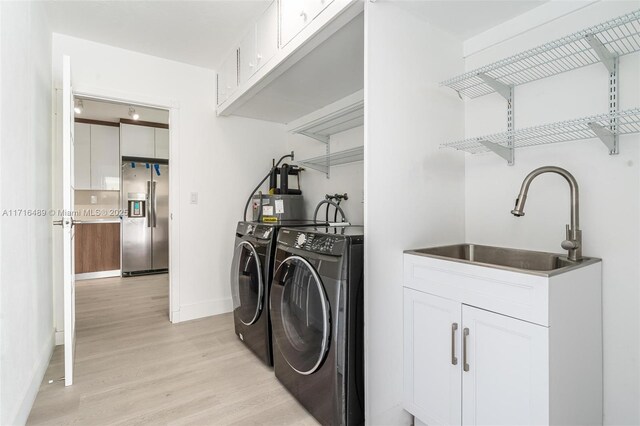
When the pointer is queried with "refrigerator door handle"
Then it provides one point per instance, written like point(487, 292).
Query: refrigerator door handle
point(155, 204)
point(149, 196)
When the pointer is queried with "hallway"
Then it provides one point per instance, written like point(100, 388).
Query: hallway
point(134, 367)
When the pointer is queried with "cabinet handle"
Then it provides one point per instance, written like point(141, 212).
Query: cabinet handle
point(465, 333)
point(303, 14)
point(454, 359)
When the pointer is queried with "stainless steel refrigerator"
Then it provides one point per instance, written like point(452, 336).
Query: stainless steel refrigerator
point(145, 224)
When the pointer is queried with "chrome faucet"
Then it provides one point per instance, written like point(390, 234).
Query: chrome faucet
point(573, 242)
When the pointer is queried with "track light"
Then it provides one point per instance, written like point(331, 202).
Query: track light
point(78, 106)
point(133, 114)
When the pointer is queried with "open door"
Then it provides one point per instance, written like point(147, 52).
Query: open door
point(67, 222)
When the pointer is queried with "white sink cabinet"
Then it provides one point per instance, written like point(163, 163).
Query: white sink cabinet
point(491, 346)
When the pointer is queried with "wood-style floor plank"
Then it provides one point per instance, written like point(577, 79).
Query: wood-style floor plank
point(133, 367)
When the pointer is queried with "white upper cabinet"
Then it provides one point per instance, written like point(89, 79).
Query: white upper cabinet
point(137, 141)
point(247, 54)
point(82, 156)
point(228, 77)
point(162, 143)
point(297, 14)
point(105, 158)
point(267, 35)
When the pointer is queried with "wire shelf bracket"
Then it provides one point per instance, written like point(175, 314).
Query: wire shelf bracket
point(607, 137)
point(505, 152)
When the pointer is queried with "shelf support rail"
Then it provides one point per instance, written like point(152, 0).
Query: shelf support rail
point(325, 140)
point(611, 61)
point(505, 152)
point(507, 92)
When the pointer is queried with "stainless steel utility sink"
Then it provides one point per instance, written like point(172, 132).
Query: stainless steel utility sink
point(535, 262)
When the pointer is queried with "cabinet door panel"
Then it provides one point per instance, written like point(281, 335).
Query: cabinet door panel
point(228, 77)
point(267, 35)
point(248, 56)
point(162, 143)
point(432, 382)
point(293, 18)
point(508, 378)
point(105, 158)
point(82, 156)
point(137, 141)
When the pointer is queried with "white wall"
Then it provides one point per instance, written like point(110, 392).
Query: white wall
point(610, 190)
point(414, 191)
point(347, 178)
point(220, 158)
point(26, 320)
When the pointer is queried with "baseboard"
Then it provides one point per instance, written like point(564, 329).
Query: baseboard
point(23, 411)
point(392, 416)
point(203, 309)
point(99, 274)
point(59, 338)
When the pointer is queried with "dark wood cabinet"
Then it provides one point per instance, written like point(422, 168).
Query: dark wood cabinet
point(97, 247)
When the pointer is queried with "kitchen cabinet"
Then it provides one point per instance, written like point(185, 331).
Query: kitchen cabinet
point(137, 141)
point(484, 345)
point(295, 15)
point(432, 358)
point(465, 365)
point(228, 77)
point(82, 156)
point(260, 44)
point(161, 139)
point(105, 158)
point(97, 247)
point(96, 157)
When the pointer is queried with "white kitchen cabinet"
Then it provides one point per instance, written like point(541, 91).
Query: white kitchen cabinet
point(161, 143)
point(247, 55)
point(137, 141)
point(105, 158)
point(82, 156)
point(497, 346)
point(432, 385)
point(267, 35)
point(505, 380)
point(295, 15)
point(228, 77)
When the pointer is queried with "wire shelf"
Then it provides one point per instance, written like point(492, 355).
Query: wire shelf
point(335, 159)
point(624, 122)
point(619, 36)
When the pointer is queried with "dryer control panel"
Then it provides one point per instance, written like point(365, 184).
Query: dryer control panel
point(318, 243)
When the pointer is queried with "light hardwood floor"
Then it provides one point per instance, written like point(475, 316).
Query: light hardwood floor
point(134, 367)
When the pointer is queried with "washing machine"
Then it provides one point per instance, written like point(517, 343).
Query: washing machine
point(317, 318)
point(251, 274)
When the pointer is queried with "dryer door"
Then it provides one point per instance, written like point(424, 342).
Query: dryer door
point(248, 288)
point(300, 315)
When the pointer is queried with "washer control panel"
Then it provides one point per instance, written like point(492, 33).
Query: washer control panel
point(317, 243)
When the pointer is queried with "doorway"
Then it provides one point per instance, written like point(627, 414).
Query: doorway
point(121, 176)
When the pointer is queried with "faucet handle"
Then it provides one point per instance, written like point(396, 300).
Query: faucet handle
point(569, 243)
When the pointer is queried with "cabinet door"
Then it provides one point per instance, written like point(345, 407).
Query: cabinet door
point(432, 358)
point(247, 55)
point(267, 35)
point(137, 141)
point(228, 77)
point(162, 143)
point(294, 16)
point(82, 156)
point(105, 158)
point(507, 378)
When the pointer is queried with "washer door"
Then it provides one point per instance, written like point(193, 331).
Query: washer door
point(247, 296)
point(300, 315)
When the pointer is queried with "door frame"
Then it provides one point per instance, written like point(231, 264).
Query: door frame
point(173, 106)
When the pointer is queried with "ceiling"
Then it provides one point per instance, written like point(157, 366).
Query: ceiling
point(194, 32)
point(110, 111)
point(467, 18)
